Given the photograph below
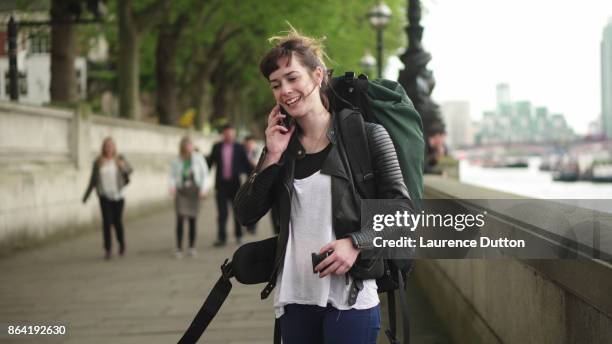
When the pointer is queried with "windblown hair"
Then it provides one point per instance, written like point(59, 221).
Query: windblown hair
point(308, 50)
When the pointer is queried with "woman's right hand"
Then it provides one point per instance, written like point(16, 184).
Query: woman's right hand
point(277, 136)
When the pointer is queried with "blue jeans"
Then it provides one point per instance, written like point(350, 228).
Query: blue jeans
point(313, 324)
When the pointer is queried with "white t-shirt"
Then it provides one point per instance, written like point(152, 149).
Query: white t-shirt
point(108, 179)
point(310, 229)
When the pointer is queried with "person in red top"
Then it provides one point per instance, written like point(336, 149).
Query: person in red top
point(231, 160)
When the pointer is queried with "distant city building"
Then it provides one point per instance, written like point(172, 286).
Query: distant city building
point(594, 129)
point(503, 94)
point(606, 80)
point(519, 122)
point(458, 123)
point(560, 129)
point(542, 125)
point(33, 59)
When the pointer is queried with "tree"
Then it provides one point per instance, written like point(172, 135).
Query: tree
point(165, 71)
point(133, 24)
point(63, 42)
point(344, 25)
point(208, 61)
point(170, 39)
point(65, 16)
point(212, 56)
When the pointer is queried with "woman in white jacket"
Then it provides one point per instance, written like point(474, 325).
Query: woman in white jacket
point(188, 177)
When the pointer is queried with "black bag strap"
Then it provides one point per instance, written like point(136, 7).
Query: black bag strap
point(404, 305)
point(391, 332)
point(354, 136)
point(211, 306)
point(277, 331)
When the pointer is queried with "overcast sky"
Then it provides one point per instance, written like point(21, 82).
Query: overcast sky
point(547, 50)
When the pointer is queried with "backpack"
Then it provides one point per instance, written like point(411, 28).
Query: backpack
point(379, 101)
point(385, 102)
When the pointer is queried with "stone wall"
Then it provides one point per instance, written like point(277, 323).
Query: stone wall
point(46, 156)
point(516, 301)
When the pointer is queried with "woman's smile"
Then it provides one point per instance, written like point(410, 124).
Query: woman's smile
point(292, 103)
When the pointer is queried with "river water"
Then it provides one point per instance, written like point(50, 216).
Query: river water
point(531, 182)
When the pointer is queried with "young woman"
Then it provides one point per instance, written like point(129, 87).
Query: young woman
point(188, 175)
point(303, 174)
point(109, 175)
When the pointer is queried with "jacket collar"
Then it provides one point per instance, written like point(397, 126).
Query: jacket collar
point(333, 164)
point(296, 149)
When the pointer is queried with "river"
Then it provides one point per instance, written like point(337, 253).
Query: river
point(531, 182)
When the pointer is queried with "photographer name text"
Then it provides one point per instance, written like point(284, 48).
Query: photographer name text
point(482, 242)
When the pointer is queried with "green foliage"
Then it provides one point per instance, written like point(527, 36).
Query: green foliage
point(343, 23)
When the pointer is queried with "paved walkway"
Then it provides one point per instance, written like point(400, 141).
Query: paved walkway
point(148, 296)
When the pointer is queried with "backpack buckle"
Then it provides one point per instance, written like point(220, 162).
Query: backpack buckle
point(226, 269)
point(392, 338)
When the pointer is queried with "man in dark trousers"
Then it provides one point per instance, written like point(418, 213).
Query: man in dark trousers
point(231, 160)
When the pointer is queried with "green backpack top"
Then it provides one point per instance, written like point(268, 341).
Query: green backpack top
point(384, 102)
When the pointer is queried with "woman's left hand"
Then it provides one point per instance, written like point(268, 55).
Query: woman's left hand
point(340, 261)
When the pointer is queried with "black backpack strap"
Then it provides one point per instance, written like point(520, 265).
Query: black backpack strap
point(404, 305)
point(362, 100)
point(354, 136)
point(277, 331)
point(211, 306)
point(391, 332)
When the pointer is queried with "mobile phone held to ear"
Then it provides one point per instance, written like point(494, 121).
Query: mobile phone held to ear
point(286, 122)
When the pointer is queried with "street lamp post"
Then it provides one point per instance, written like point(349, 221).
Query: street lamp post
point(367, 62)
point(379, 17)
point(418, 81)
point(12, 50)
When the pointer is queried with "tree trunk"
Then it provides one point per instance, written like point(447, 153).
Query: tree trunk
point(165, 74)
point(219, 100)
point(203, 75)
point(198, 95)
point(129, 62)
point(63, 41)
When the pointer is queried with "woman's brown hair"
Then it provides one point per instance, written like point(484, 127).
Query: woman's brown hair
point(105, 142)
point(308, 51)
point(183, 146)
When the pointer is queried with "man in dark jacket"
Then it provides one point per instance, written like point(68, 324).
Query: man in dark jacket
point(231, 160)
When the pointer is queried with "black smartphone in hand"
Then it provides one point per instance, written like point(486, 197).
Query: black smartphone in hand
point(286, 122)
point(318, 258)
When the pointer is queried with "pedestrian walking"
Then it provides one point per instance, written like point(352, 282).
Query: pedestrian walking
point(188, 177)
point(110, 173)
point(231, 161)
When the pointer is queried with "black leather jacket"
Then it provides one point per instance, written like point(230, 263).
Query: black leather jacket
point(273, 187)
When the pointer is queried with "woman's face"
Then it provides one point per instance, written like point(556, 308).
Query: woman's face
point(294, 88)
point(188, 147)
point(109, 148)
